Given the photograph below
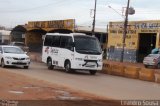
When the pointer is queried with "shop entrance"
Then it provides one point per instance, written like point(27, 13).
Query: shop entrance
point(147, 42)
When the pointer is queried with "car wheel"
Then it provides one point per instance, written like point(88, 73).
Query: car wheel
point(92, 72)
point(67, 67)
point(146, 66)
point(25, 67)
point(158, 65)
point(2, 63)
point(49, 64)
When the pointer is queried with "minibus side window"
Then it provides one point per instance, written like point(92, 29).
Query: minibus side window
point(66, 42)
point(48, 40)
point(0, 49)
point(63, 41)
point(56, 41)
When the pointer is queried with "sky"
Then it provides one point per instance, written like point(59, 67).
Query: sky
point(19, 12)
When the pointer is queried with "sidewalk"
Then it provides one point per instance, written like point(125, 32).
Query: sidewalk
point(131, 70)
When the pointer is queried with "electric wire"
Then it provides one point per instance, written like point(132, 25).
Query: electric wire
point(59, 2)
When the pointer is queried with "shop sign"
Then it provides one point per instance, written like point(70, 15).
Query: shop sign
point(59, 24)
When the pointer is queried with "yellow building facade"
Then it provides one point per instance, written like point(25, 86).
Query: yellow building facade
point(141, 38)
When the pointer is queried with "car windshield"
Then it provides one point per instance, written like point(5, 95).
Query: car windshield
point(14, 50)
point(87, 45)
point(19, 44)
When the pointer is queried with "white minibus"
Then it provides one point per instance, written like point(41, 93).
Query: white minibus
point(74, 51)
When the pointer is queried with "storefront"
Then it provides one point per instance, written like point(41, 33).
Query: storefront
point(141, 38)
point(36, 30)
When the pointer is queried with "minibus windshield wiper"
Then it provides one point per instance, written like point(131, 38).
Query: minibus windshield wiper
point(88, 51)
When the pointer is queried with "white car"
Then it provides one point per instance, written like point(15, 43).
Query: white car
point(152, 60)
point(13, 56)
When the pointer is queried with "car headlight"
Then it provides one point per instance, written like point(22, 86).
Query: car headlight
point(8, 57)
point(27, 58)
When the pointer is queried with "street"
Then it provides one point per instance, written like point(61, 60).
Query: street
point(102, 85)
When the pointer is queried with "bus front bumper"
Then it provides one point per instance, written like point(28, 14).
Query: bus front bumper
point(89, 65)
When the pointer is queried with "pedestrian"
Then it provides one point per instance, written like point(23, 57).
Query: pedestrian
point(155, 51)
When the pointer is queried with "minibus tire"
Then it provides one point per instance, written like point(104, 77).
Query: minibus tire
point(49, 64)
point(67, 67)
point(92, 72)
point(3, 64)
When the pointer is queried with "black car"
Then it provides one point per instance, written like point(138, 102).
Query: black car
point(21, 45)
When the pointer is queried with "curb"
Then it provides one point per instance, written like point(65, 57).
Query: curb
point(129, 71)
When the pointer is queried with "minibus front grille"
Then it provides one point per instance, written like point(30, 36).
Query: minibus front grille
point(87, 61)
point(90, 60)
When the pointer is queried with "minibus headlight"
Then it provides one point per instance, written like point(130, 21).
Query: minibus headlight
point(100, 60)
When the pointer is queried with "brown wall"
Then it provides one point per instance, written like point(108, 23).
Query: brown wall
point(34, 40)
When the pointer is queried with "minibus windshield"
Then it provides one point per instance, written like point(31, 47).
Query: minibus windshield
point(87, 45)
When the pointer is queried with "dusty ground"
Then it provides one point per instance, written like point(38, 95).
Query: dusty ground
point(18, 90)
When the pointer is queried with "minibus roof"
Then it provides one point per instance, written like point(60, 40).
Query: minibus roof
point(64, 34)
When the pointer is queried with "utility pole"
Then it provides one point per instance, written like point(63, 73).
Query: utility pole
point(125, 30)
point(94, 19)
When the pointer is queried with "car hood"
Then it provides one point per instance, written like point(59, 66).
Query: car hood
point(16, 55)
point(153, 56)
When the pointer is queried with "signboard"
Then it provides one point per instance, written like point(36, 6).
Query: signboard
point(139, 26)
point(51, 25)
point(133, 30)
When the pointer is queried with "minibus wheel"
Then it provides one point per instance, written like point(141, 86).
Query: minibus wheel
point(49, 64)
point(67, 67)
point(92, 72)
point(2, 63)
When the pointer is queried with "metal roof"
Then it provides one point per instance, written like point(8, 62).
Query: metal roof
point(5, 32)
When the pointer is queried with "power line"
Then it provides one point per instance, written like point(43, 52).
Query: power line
point(35, 8)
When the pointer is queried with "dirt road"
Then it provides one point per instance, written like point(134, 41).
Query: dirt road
point(107, 86)
point(19, 90)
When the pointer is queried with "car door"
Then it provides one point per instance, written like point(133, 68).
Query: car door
point(1, 54)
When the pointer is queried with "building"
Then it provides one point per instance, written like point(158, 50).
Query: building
point(4, 36)
point(36, 30)
point(141, 38)
point(18, 33)
point(32, 33)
